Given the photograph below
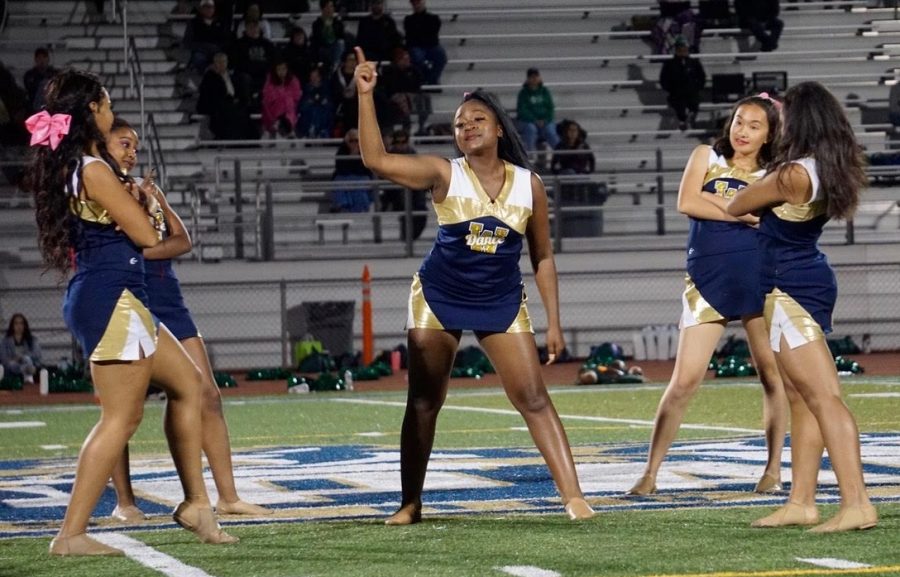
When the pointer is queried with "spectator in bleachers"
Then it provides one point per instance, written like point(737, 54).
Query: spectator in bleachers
point(327, 39)
point(422, 30)
point(280, 98)
point(252, 56)
point(393, 199)
point(37, 76)
point(20, 351)
point(567, 159)
point(224, 99)
point(205, 35)
point(535, 112)
point(761, 18)
point(297, 54)
point(676, 18)
point(253, 12)
point(402, 86)
point(316, 108)
point(349, 167)
point(377, 33)
point(683, 77)
point(894, 105)
point(343, 93)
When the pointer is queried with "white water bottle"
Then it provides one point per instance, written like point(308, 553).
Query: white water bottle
point(45, 382)
point(348, 380)
point(637, 341)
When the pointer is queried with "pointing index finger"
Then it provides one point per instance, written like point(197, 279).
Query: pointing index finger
point(360, 57)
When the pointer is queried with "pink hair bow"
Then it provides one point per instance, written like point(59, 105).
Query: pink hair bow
point(47, 130)
point(774, 102)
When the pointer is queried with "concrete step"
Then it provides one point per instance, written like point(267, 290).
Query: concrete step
point(151, 68)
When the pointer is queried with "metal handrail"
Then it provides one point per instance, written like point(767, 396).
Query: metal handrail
point(149, 130)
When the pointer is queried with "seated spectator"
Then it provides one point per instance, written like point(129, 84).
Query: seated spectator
point(20, 351)
point(676, 18)
point(377, 33)
point(422, 30)
point(402, 86)
point(252, 56)
point(327, 39)
point(761, 18)
point(573, 156)
point(253, 12)
point(224, 99)
point(297, 54)
point(534, 113)
point(316, 108)
point(394, 199)
point(205, 35)
point(280, 98)
point(343, 93)
point(36, 78)
point(349, 167)
point(683, 77)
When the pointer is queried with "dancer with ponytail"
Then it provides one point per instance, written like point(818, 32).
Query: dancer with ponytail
point(488, 203)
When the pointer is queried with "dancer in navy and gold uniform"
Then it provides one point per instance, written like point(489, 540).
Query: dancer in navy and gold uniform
point(487, 204)
point(722, 283)
point(167, 304)
point(83, 208)
point(818, 175)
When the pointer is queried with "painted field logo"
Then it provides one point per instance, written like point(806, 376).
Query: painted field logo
point(364, 482)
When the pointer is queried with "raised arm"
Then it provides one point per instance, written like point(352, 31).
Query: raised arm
point(178, 242)
point(415, 171)
point(102, 186)
point(540, 251)
point(788, 184)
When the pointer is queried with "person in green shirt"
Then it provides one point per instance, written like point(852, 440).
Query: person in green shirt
point(534, 113)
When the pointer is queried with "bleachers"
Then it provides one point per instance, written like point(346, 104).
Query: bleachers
point(600, 72)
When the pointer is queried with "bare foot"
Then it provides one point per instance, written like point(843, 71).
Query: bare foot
point(406, 515)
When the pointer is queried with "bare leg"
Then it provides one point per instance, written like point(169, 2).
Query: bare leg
point(126, 510)
point(806, 456)
point(515, 359)
point(121, 387)
point(696, 345)
point(775, 403)
point(216, 443)
point(431, 354)
point(811, 370)
point(176, 373)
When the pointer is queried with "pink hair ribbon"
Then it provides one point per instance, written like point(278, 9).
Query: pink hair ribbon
point(765, 96)
point(47, 130)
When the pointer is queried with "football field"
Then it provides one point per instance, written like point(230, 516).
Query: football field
point(328, 464)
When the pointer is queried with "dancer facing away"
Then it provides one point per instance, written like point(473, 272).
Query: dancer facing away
point(85, 209)
point(487, 203)
point(722, 283)
point(167, 304)
point(817, 175)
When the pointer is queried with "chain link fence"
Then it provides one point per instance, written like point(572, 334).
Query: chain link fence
point(255, 324)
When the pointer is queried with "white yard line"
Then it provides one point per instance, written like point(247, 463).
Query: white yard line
point(511, 412)
point(527, 571)
point(873, 395)
point(21, 424)
point(832, 563)
point(148, 556)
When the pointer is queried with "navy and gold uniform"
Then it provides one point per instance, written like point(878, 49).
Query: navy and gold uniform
point(471, 279)
point(722, 257)
point(797, 280)
point(166, 300)
point(106, 305)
